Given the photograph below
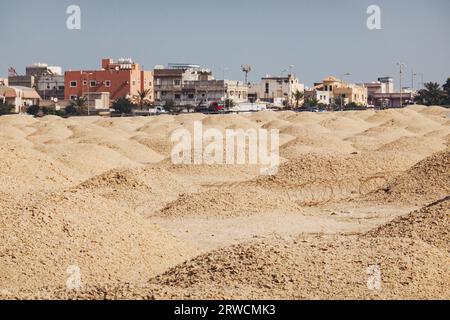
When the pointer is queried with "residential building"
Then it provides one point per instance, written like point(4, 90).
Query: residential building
point(207, 91)
point(381, 93)
point(121, 79)
point(19, 97)
point(276, 90)
point(47, 80)
point(190, 84)
point(350, 93)
point(322, 97)
point(22, 81)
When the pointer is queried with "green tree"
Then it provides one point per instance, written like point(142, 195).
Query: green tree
point(446, 88)
point(431, 95)
point(311, 102)
point(298, 96)
point(141, 97)
point(33, 110)
point(122, 106)
point(338, 103)
point(80, 104)
point(5, 108)
point(229, 103)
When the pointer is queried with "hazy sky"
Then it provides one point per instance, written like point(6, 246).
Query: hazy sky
point(318, 37)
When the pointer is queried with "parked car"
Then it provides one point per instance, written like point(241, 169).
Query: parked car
point(157, 110)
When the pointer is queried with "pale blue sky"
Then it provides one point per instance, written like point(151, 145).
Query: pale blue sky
point(318, 37)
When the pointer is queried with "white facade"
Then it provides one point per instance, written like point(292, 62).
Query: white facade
point(276, 89)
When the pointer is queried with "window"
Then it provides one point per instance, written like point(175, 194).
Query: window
point(134, 82)
point(73, 84)
point(84, 83)
point(267, 88)
point(73, 98)
point(191, 96)
point(177, 82)
point(92, 83)
point(177, 96)
point(107, 83)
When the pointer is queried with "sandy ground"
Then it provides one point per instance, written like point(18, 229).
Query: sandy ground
point(355, 191)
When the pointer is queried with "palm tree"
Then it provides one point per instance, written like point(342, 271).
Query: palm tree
point(298, 95)
point(80, 104)
point(141, 97)
point(431, 95)
point(446, 88)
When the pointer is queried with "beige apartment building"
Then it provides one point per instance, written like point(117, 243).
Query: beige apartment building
point(276, 90)
point(350, 93)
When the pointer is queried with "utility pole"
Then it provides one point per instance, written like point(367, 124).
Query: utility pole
point(402, 67)
point(343, 84)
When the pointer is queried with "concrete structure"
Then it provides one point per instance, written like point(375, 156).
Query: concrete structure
point(276, 90)
point(98, 100)
point(47, 80)
point(350, 93)
point(190, 84)
point(121, 79)
point(19, 97)
point(22, 81)
point(382, 93)
point(207, 91)
point(323, 97)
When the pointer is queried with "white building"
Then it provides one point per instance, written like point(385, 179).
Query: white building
point(323, 97)
point(276, 90)
point(19, 97)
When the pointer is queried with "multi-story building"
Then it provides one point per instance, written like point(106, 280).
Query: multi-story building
point(121, 79)
point(381, 93)
point(22, 81)
point(47, 80)
point(276, 90)
point(190, 84)
point(350, 93)
point(322, 97)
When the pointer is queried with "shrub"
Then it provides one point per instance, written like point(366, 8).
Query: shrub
point(123, 106)
point(33, 110)
point(5, 108)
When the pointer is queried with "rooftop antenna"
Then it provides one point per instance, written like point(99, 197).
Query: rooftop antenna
point(246, 68)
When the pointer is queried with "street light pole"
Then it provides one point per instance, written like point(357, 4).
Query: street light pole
point(402, 66)
point(343, 82)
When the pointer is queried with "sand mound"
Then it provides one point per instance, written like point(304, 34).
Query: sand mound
point(143, 190)
point(229, 202)
point(311, 268)
point(318, 178)
point(25, 170)
point(43, 236)
point(431, 224)
point(418, 145)
point(428, 180)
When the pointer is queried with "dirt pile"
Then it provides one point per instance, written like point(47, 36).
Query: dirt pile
point(431, 224)
point(427, 181)
point(43, 236)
